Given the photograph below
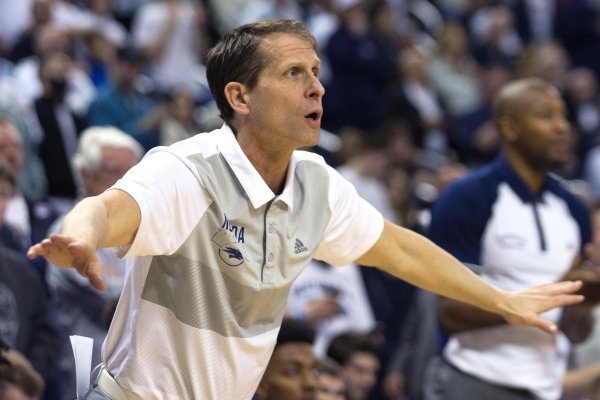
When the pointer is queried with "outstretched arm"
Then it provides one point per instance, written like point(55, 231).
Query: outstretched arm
point(417, 260)
point(457, 317)
point(108, 220)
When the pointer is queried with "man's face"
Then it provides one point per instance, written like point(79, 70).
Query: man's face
point(7, 191)
point(360, 374)
point(331, 387)
point(113, 165)
point(11, 152)
point(544, 138)
point(285, 105)
point(291, 374)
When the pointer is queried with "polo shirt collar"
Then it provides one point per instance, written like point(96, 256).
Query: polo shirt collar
point(517, 184)
point(256, 188)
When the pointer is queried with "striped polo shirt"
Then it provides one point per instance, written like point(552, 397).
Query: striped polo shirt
point(513, 238)
point(209, 270)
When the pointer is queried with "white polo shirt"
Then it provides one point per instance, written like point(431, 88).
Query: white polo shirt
point(513, 238)
point(213, 260)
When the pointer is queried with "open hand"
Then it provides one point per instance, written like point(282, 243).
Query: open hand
point(68, 252)
point(526, 305)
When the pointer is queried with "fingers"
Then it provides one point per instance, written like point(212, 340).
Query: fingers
point(556, 288)
point(64, 251)
point(47, 246)
point(545, 325)
point(564, 300)
point(92, 270)
point(88, 265)
point(37, 250)
point(96, 281)
point(94, 274)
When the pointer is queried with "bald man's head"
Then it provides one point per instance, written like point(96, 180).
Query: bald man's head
point(517, 96)
point(530, 115)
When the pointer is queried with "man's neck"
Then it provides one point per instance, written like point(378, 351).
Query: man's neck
point(270, 161)
point(533, 177)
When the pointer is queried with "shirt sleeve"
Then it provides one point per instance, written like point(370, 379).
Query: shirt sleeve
point(459, 218)
point(582, 215)
point(354, 225)
point(172, 199)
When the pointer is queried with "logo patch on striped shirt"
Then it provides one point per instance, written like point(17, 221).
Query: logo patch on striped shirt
point(230, 240)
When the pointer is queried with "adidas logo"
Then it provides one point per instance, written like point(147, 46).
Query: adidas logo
point(299, 247)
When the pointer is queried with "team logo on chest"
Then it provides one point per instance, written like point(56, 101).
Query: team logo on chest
point(230, 239)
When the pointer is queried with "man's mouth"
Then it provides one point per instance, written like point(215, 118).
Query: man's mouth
point(314, 116)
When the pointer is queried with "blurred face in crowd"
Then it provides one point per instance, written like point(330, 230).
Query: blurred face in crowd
point(360, 374)
point(51, 39)
point(7, 191)
point(11, 152)
point(41, 11)
point(331, 387)
point(181, 106)
point(582, 85)
point(126, 72)
point(291, 374)
point(53, 75)
point(113, 165)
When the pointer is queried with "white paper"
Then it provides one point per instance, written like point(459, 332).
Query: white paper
point(82, 350)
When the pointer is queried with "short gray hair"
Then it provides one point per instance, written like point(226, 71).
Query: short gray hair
point(94, 139)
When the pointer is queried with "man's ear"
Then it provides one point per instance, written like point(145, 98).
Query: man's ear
point(508, 128)
point(237, 97)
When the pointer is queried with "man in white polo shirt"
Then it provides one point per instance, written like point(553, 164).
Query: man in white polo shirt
point(218, 226)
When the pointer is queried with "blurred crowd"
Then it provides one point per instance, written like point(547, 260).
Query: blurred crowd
point(88, 86)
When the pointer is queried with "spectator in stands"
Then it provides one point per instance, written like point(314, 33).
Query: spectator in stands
point(179, 121)
point(27, 219)
point(359, 356)
point(52, 39)
point(41, 14)
point(61, 129)
point(333, 299)
point(25, 322)
point(358, 59)
point(293, 368)
point(583, 104)
point(331, 384)
point(172, 35)
point(126, 104)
